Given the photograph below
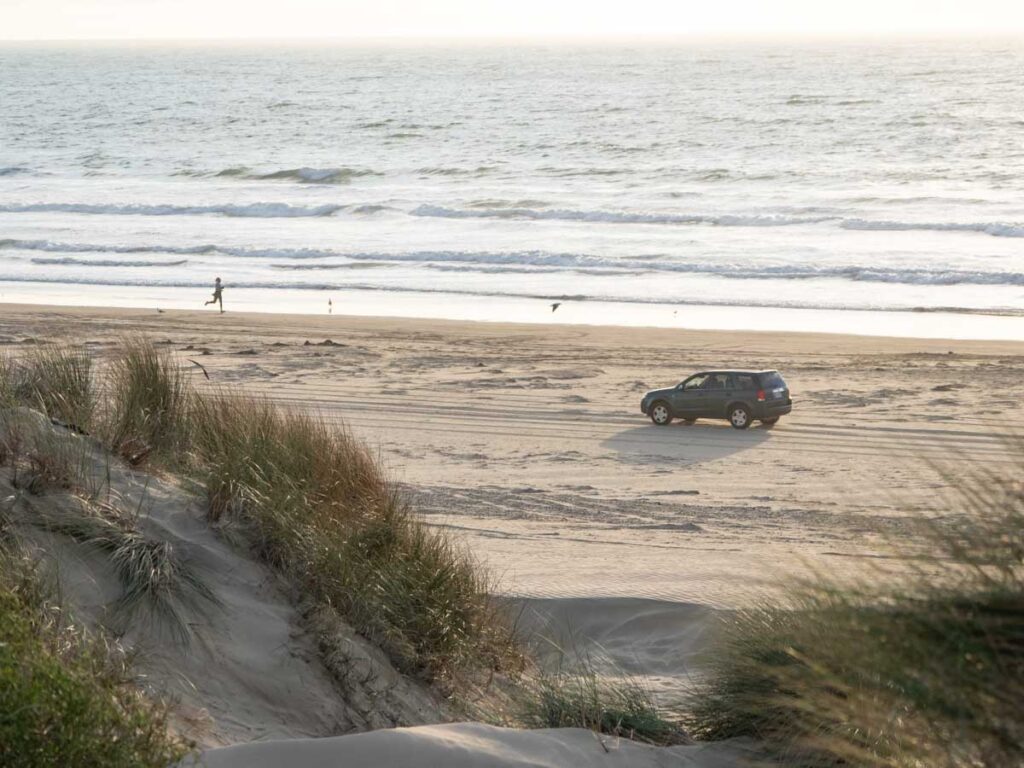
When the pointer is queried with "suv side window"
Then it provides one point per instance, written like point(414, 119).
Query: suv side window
point(745, 383)
point(718, 381)
point(694, 382)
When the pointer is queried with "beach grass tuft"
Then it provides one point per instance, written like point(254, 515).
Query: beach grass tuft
point(54, 379)
point(148, 403)
point(926, 670)
point(156, 581)
point(41, 456)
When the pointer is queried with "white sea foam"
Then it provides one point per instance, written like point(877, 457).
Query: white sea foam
point(72, 261)
point(992, 228)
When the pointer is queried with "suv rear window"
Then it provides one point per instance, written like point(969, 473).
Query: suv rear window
point(772, 380)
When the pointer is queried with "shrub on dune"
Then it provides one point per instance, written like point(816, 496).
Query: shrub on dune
point(929, 672)
point(67, 697)
point(410, 589)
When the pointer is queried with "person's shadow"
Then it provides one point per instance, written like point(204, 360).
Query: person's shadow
point(681, 443)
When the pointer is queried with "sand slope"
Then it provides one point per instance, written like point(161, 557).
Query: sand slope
point(472, 745)
point(252, 667)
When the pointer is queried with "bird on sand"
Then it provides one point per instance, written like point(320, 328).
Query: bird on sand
point(201, 367)
point(556, 305)
point(159, 311)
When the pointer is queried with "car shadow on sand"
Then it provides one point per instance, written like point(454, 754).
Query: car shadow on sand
point(685, 443)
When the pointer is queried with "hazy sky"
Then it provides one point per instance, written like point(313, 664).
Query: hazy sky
point(62, 19)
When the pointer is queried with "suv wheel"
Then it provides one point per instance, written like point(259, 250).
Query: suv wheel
point(660, 414)
point(739, 416)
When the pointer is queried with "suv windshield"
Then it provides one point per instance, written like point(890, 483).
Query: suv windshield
point(772, 380)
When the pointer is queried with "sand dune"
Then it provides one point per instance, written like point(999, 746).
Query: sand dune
point(472, 745)
point(250, 668)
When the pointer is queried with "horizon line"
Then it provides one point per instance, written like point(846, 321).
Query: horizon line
point(779, 37)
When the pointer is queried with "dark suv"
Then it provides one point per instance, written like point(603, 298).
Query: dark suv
point(739, 396)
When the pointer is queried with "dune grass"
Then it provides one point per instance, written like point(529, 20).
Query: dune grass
point(41, 458)
point(147, 405)
point(926, 671)
point(67, 697)
point(577, 695)
point(52, 462)
point(54, 379)
point(322, 511)
point(8, 376)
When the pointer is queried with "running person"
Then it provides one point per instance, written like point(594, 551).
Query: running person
point(218, 295)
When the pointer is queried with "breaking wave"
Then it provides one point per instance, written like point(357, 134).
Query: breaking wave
point(510, 210)
point(315, 175)
point(251, 210)
point(72, 261)
point(301, 175)
point(996, 229)
point(52, 247)
point(483, 261)
point(615, 217)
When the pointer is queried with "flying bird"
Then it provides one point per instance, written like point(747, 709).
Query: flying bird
point(201, 367)
point(556, 305)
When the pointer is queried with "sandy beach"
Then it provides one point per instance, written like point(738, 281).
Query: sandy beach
point(528, 440)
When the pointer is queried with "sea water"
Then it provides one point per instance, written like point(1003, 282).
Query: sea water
point(845, 187)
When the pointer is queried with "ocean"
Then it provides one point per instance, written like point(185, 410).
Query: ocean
point(874, 188)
